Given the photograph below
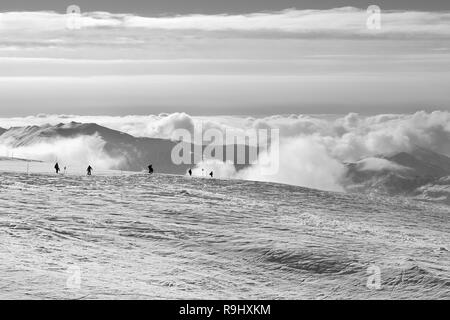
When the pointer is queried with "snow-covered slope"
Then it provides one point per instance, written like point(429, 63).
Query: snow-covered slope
point(163, 236)
point(437, 191)
point(25, 166)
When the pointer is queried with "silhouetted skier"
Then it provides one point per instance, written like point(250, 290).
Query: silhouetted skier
point(57, 168)
point(150, 169)
point(211, 174)
point(190, 172)
point(89, 171)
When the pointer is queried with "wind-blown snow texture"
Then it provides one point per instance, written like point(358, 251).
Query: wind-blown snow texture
point(163, 236)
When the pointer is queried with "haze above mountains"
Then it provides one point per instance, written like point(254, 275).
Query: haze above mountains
point(420, 172)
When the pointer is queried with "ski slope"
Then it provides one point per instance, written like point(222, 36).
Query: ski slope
point(120, 236)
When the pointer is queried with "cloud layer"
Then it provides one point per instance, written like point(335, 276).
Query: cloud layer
point(205, 64)
point(312, 148)
point(69, 152)
point(348, 137)
point(340, 21)
point(50, 34)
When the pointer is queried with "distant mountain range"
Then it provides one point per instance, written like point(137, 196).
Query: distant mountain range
point(421, 173)
point(137, 152)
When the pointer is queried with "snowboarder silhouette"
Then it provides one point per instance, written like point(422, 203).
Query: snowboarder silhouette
point(150, 169)
point(57, 168)
point(89, 170)
point(211, 174)
point(190, 172)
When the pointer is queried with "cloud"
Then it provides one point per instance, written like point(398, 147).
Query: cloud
point(167, 124)
point(220, 169)
point(70, 152)
point(303, 162)
point(346, 21)
point(106, 35)
point(312, 148)
point(378, 164)
point(354, 136)
point(347, 137)
point(194, 63)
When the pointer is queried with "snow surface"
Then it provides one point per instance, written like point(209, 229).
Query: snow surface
point(167, 236)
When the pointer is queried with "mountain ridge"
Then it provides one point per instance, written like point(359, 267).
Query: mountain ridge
point(136, 152)
point(419, 173)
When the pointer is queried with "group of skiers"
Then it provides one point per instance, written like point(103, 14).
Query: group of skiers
point(150, 170)
point(211, 174)
point(58, 169)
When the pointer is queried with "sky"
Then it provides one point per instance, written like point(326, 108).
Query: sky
point(207, 57)
point(144, 7)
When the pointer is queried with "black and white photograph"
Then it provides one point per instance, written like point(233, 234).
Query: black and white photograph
point(225, 150)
